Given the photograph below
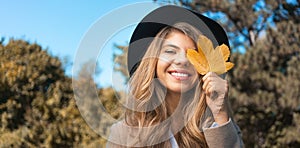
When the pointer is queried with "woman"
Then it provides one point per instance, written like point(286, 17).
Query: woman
point(169, 103)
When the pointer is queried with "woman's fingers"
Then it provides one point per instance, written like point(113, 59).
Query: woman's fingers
point(205, 85)
point(213, 85)
point(209, 74)
point(208, 82)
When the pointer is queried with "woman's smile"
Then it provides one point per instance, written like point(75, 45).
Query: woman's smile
point(180, 75)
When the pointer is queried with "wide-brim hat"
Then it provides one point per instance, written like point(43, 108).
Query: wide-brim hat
point(169, 15)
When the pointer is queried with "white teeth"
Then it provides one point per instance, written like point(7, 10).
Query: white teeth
point(179, 74)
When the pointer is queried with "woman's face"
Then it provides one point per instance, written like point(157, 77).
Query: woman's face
point(173, 69)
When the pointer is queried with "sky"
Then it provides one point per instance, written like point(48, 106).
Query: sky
point(60, 26)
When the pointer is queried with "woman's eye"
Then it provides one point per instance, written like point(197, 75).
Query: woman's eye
point(170, 51)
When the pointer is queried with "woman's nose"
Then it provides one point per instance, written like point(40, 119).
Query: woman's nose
point(181, 59)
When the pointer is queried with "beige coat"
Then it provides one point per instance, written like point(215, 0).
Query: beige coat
point(227, 135)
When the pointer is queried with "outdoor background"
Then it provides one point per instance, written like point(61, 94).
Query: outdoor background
point(37, 103)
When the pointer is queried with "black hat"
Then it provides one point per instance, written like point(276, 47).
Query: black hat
point(164, 16)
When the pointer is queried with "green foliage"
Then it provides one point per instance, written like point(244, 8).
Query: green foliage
point(265, 91)
point(37, 105)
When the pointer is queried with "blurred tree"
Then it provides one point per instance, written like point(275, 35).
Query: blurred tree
point(265, 89)
point(37, 105)
point(95, 104)
point(120, 60)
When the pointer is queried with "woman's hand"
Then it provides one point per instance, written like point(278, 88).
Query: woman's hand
point(216, 90)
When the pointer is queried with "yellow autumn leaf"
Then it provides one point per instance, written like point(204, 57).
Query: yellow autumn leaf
point(198, 60)
point(209, 59)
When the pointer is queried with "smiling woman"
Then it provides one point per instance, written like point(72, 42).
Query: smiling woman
point(171, 105)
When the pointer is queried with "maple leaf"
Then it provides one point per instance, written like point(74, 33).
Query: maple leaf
point(209, 59)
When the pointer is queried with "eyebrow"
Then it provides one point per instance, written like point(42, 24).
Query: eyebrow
point(171, 45)
point(174, 46)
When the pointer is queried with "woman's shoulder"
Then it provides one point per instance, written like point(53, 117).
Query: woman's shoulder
point(226, 135)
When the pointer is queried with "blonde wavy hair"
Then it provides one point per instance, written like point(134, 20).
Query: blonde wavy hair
point(150, 109)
